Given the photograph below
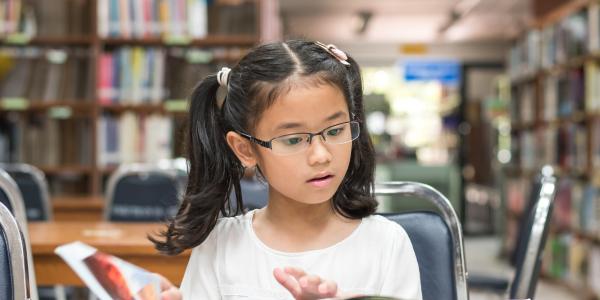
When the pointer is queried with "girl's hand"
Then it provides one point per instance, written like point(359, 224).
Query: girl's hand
point(303, 286)
point(167, 290)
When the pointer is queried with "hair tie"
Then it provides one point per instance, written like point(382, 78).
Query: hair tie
point(335, 52)
point(223, 76)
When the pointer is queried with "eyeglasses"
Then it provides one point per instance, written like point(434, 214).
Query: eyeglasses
point(341, 133)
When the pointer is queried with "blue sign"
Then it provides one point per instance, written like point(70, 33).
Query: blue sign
point(445, 71)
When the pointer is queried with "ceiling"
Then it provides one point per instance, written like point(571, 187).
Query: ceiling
point(405, 21)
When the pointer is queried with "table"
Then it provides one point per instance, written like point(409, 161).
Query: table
point(127, 241)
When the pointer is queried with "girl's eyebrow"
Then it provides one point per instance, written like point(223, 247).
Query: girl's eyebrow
point(296, 125)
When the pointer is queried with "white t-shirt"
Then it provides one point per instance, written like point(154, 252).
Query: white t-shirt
point(377, 258)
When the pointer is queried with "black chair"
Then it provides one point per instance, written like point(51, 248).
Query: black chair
point(14, 282)
point(142, 193)
point(532, 236)
point(10, 194)
point(436, 238)
point(34, 188)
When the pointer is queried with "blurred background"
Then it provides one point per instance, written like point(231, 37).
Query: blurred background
point(472, 97)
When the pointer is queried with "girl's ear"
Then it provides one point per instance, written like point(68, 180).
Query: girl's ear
point(242, 149)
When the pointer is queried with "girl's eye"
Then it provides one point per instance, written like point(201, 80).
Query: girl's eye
point(334, 131)
point(291, 141)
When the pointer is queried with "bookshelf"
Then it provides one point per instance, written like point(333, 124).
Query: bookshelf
point(84, 82)
point(555, 119)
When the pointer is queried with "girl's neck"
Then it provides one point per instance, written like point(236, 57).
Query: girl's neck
point(291, 226)
point(290, 214)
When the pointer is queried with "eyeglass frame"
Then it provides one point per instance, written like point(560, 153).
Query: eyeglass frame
point(268, 144)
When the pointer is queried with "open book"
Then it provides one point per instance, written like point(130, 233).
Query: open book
point(107, 276)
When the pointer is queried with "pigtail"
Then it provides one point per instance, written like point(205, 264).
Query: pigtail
point(355, 198)
point(214, 171)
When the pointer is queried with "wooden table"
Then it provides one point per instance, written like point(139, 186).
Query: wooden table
point(125, 240)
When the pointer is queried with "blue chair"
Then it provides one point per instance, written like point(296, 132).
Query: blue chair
point(14, 282)
point(436, 238)
point(10, 194)
point(142, 193)
point(34, 188)
point(532, 238)
point(255, 194)
point(180, 166)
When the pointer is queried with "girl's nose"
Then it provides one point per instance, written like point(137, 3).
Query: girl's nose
point(318, 153)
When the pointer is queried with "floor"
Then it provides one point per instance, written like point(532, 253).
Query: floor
point(482, 258)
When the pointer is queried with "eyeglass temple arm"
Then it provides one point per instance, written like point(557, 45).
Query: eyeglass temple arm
point(256, 141)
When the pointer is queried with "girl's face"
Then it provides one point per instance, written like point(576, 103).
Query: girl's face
point(313, 175)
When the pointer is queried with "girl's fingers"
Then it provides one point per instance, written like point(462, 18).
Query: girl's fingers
point(310, 284)
point(165, 284)
point(171, 294)
point(296, 272)
point(303, 286)
point(327, 289)
point(288, 282)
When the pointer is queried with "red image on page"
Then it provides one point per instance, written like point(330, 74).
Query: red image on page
point(108, 275)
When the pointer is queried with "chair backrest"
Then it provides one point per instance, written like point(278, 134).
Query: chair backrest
point(34, 188)
point(534, 236)
point(12, 198)
point(10, 190)
point(142, 193)
point(180, 166)
point(255, 193)
point(14, 283)
point(522, 235)
point(436, 238)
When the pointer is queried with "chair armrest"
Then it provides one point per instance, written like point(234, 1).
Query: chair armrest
point(487, 282)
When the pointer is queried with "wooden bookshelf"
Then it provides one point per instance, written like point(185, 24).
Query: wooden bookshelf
point(583, 291)
point(58, 41)
point(137, 108)
point(563, 11)
point(226, 46)
point(68, 169)
point(554, 80)
point(78, 208)
point(77, 106)
point(211, 41)
point(107, 170)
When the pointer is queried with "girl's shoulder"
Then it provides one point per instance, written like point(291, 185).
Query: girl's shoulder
point(378, 227)
point(238, 223)
point(226, 230)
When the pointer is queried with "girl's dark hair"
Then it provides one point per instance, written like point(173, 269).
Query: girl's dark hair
point(261, 76)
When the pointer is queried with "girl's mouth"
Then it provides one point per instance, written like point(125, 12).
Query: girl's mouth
point(321, 181)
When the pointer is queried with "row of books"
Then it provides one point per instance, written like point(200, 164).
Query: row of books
point(58, 18)
point(592, 86)
point(523, 104)
point(554, 78)
point(44, 141)
point(563, 95)
point(134, 138)
point(576, 206)
point(572, 254)
point(175, 18)
point(565, 146)
point(574, 260)
point(42, 75)
point(149, 75)
point(12, 17)
point(54, 18)
point(573, 36)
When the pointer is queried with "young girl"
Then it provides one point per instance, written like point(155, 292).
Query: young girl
point(294, 112)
